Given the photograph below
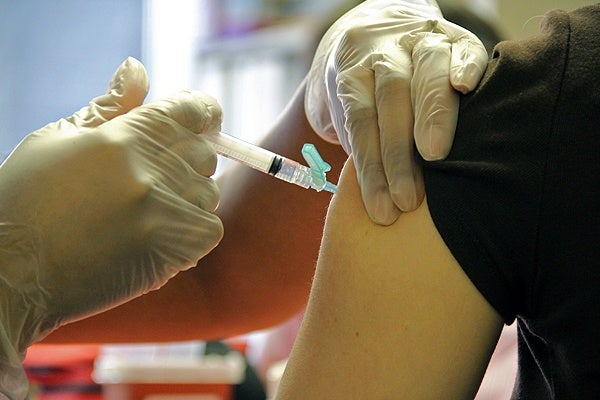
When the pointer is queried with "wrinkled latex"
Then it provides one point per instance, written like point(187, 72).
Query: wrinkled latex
point(385, 77)
point(101, 207)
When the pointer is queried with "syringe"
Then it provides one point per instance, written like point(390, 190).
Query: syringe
point(274, 164)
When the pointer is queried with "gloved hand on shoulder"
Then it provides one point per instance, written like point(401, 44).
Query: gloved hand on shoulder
point(102, 207)
point(385, 76)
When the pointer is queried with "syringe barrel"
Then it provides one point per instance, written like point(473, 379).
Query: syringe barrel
point(263, 160)
point(244, 152)
point(294, 172)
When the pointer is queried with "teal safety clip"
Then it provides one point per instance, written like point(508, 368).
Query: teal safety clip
point(318, 168)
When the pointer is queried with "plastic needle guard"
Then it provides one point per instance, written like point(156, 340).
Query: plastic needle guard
point(318, 168)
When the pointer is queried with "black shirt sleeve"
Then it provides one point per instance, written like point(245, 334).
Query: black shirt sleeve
point(517, 201)
point(526, 141)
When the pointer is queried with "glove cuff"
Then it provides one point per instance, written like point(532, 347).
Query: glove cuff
point(13, 380)
point(19, 306)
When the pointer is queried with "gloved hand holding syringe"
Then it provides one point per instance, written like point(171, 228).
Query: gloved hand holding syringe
point(275, 164)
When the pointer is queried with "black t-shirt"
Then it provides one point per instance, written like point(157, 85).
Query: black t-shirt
point(517, 201)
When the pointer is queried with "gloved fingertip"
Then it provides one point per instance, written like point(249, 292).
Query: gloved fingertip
point(208, 115)
point(129, 83)
point(469, 61)
point(385, 218)
point(408, 197)
point(435, 143)
point(466, 78)
point(196, 111)
point(381, 209)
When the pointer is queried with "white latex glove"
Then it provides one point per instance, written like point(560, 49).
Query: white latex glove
point(379, 65)
point(101, 207)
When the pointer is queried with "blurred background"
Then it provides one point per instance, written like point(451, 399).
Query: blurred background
point(249, 54)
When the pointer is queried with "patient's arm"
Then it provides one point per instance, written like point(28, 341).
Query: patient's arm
point(391, 313)
point(258, 276)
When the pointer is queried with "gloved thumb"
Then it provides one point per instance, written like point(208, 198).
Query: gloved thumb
point(127, 89)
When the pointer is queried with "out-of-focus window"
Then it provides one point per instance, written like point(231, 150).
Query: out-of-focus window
point(250, 55)
point(55, 56)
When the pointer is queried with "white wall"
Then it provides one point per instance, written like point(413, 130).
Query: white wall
point(521, 18)
point(57, 55)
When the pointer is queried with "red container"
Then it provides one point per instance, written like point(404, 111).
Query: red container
point(161, 375)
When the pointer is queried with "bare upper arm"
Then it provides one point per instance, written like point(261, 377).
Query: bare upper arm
point(391, 313)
